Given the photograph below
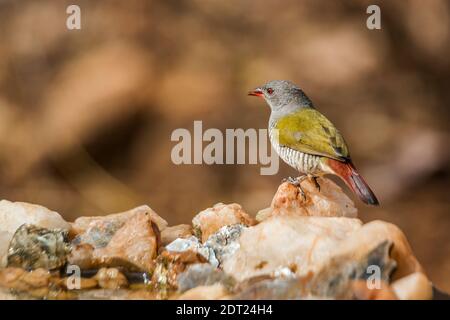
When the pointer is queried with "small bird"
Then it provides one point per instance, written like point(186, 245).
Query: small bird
point(306, 140)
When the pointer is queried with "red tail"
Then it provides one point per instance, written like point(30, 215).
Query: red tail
point(347, 172)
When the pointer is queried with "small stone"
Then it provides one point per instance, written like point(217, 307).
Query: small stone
point(115, 221)
point(33, 247)
point(225, 241)
point(213, 292)
point(193, 244)
point(330, 201)
point(170, 234)
point(415, 286)
point(111, 278)
point(212, 219)
point(168, 266)
point(203, 274)
point(81, 255)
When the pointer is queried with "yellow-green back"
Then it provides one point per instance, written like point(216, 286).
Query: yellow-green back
point(308, 131)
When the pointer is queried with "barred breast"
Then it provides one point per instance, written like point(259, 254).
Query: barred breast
point(304, 162)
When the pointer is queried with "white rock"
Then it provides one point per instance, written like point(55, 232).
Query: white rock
point(14, 214)
point(5, 238)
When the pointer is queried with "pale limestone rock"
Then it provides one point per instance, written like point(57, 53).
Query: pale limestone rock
point(297, 242)
point(212, 219)
point(213, 292)
point(415, 286)
point(15, 214)
point(330, 201)
point(82, 224)
point(170, 234)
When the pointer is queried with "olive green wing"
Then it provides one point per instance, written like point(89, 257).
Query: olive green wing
point(308, 131)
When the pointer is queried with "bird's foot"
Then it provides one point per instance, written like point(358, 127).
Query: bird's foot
point(316, 183)
point(297, 182)
point(293, 181)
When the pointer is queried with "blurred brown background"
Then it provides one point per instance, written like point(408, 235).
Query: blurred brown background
point(86, 115)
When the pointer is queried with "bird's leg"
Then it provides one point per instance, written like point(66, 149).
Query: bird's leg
point(314, 180)
point(297, 182)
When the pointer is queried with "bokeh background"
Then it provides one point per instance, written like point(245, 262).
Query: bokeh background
point(86, 115)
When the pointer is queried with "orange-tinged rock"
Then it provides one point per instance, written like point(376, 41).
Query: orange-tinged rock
point(212, 219)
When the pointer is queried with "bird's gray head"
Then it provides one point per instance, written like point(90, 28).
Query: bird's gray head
point(280, 94)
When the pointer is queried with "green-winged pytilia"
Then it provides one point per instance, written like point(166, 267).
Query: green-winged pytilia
point(306, 140)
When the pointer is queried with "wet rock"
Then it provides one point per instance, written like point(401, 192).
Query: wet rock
point(36, 284)
point(81, 255)
point(170, 234)
point(33, 247)
point(330, 201)
point(104, 294)
point(213, 292)
point(415, 286)
point(212, 219)
point(296, 242)
point(168, 266)
point(107, 225)
point(225, 241)
point(193, 244)
point(83, 284)
point(111, 278)
point(134, 245)
point(203, 274)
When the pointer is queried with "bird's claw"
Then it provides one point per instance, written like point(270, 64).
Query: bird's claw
point(293, 181)
point(316, 183)
point(297, 183)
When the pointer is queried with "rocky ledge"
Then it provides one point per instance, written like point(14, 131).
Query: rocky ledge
point(311, 247)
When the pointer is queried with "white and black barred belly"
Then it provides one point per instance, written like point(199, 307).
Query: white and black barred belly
point(304, 162)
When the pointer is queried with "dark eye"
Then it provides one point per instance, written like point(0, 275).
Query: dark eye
point(269, 90)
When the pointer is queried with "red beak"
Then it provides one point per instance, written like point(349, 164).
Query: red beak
point(257, 92)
